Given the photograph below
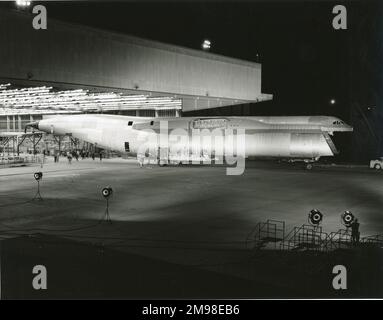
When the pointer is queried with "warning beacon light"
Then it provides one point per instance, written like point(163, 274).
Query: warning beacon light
point(206, 45)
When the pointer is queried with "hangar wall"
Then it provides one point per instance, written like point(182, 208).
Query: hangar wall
point(78, 55)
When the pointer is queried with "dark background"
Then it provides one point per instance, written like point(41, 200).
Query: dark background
point(305, 62)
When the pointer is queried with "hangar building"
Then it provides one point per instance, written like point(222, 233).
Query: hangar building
point(71, 68)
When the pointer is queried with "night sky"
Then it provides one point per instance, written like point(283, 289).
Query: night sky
point(305, 62)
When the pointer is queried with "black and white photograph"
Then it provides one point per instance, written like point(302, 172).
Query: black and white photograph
point(191, 150)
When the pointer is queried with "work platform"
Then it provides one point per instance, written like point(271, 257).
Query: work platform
point(271, 235)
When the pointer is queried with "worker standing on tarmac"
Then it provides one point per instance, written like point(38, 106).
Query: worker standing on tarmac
point(355, 234)
point(141, 159)
point(69, 158)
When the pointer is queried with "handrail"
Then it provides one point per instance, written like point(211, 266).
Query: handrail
point(373, 239)
point(267, 231)
point(337, 238)
point(306, 236)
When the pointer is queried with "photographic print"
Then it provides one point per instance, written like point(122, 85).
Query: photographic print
point(181, 150)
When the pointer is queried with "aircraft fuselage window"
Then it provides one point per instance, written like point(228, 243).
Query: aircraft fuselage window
point(151, 123)
point(127, 148)
point(130, 123)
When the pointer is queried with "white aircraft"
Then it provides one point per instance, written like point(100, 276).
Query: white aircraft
point(301, 137)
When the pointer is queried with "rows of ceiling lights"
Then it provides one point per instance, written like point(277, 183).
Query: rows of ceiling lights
point(37, 100)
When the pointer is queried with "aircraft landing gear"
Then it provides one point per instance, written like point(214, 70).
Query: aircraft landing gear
point(309, 163)
point(309, 166)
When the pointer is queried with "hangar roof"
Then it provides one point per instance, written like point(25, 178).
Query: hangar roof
point(69, 57)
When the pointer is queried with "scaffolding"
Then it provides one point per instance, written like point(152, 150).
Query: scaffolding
point(375, 240)
point(305, 237)
point(266, 233)
point(10, 142)
point(271, 235)
point(340, 239)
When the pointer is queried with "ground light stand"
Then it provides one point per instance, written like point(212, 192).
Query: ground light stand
point(38, 176)
point(107, 193)
point(38, 196)
point(107, 215)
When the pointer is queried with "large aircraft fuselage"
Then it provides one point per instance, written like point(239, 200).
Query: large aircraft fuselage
point(287, 137)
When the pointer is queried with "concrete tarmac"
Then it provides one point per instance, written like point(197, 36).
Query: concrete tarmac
point(196, 217)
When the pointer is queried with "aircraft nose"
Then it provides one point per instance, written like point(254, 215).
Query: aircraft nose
point(348, 128)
